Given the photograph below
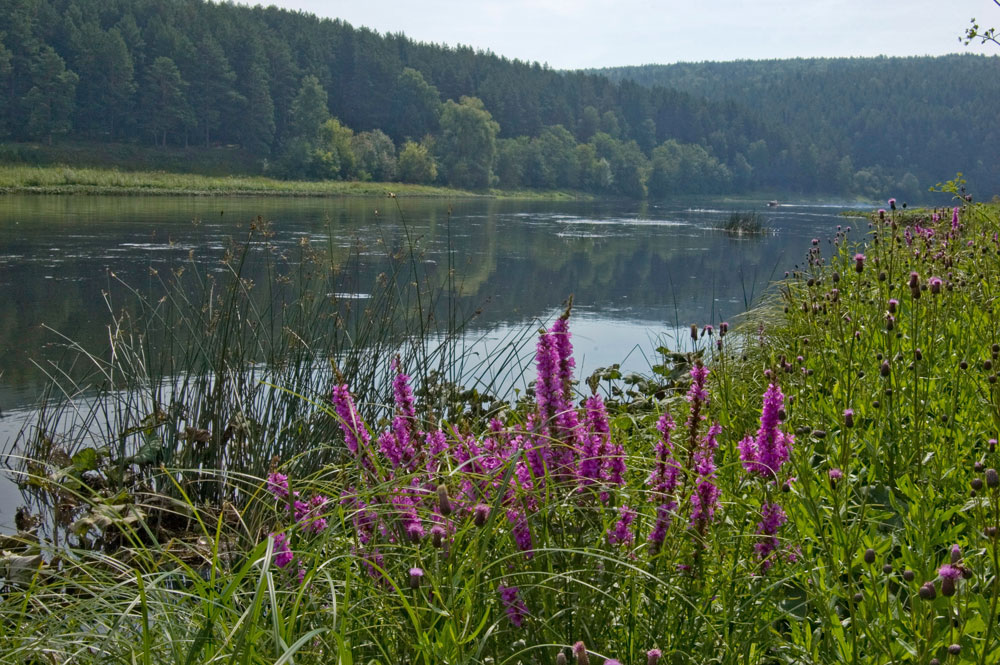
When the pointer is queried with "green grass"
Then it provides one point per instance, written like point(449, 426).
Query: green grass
point(891, 387)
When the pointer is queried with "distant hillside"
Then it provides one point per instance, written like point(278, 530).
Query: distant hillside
point(310, 98)
point(885, 117)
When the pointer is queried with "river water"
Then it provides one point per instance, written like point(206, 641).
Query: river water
point(636, 271)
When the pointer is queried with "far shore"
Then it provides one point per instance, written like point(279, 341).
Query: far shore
point(58, 180)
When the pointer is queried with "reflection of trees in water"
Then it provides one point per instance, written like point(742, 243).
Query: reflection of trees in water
point(516, 260)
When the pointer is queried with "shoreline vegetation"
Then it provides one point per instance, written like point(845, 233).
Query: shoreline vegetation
point(56, 180)
point(817, 483)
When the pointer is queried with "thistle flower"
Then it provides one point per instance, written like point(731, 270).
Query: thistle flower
point(580, 651)
point(935, 285)
point(653, 656)
point(892, 204)
point(859, 262)
point(849, 417)
point(415, 576)
point(480, 514)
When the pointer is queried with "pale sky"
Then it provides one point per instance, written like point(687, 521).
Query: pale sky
point(569, 34)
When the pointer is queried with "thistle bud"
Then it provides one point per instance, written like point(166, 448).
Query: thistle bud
point(444, 503)
point(849, 417)
point(560, 658)
point(955, 649)
point(580, 651)
point(927, 591)
point(415, 576)
point(909, 575)
point(694, 332)
point(992, 478)
point(869, 556)
point(481, 514)
point(947, 587)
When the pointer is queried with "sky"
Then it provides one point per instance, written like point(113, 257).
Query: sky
point(571, 34)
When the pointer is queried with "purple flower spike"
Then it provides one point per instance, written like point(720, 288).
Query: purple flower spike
point(513, 605)
point(770, 449)
point(282, 553)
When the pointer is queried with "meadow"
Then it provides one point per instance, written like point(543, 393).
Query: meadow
point(816, 483)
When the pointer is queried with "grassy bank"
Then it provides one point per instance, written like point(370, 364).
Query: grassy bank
point(72, 180)
point(818, 485)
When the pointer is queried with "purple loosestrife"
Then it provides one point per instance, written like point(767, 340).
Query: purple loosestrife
point(663, 482)
point(404, 423)
point(513, 605)
point(705, 498)
point(769, 450)
point(277, 485)
point(596, 442)
point(621, 534)
point(772, 519)
point(282, 552)
point(355, 433)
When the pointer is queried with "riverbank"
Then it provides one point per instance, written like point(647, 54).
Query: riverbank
point(818, 484)
point(22, 179)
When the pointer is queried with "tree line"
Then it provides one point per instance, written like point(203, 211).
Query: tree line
point(318, 98)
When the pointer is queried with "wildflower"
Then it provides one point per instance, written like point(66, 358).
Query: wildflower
point(277, 485)
point(620, 533)
point(893, 304)
point(770, 449)
point(835, 475)
point(580, 651)
point(653, 656)
point(480, 513)
point(513, 605)
point(892, 204)
point(881, 214)
point(956, 554)
point(612, 661)
point(723, 329)
point(444, 503)
point(437, 535)
point(859, 263)
point(849, 417)
point(415, 576)
point(992, 478)
point(355, 433)
point(282, 552)
point(935, 285)
point(954, 219)
point(772, 518)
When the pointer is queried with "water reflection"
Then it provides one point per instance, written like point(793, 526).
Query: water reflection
point(633, 269)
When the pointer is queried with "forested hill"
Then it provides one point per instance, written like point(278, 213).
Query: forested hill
point(918, 115)
point(320, 99)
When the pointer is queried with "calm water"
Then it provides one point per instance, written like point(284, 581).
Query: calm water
point(636, 271)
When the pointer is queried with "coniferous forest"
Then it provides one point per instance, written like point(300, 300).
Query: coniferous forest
point(305, 98)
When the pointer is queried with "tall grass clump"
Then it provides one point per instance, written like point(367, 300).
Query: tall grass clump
point(819, 485)
point(745, 223)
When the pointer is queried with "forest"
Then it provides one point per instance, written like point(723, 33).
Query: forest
point(306, 98)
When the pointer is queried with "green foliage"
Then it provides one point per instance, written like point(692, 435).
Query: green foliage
point(164, 92)
point(49, 102)
point(416, 164)
point(466, 148)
